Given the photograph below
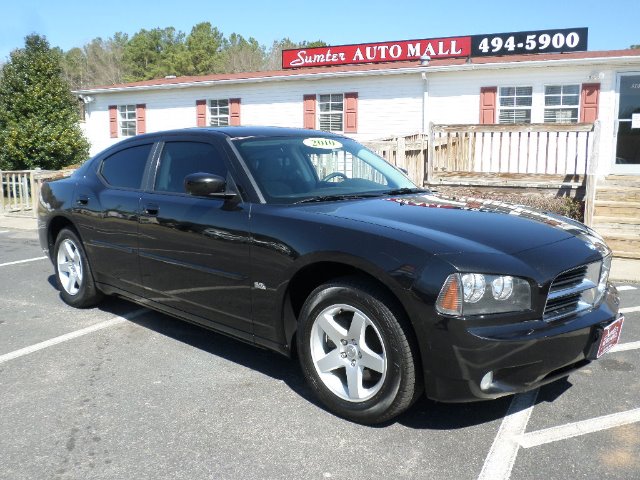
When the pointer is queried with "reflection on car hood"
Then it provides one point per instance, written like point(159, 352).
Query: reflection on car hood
point(466, 225)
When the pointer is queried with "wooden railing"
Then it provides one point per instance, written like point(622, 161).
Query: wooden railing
point(20, 189)
point(16, 189)
point(408, 153)
point(515, 151)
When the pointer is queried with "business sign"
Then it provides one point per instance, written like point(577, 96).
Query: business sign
point(514, 43)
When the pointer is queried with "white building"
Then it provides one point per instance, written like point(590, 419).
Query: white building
point(370, 101)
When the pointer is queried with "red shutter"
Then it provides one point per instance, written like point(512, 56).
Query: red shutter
point(141, 118)
point(113, 121)
point(201, 113)
point(351, 112)
point(234, 111)
point(309, 111)
point(589, 98)
point(488, 96)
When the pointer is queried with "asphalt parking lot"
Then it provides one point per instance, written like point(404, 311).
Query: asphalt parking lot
point(121, 392)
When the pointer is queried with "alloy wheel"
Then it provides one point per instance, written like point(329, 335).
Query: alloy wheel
point(70, 267)
point(348, 353)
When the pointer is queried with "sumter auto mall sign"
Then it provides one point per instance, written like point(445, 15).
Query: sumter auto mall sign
point(541, 41)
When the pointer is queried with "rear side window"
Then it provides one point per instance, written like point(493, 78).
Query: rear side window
point(125, 168)
point(179, 159)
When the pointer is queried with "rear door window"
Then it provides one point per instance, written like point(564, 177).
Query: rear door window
point(125, 168)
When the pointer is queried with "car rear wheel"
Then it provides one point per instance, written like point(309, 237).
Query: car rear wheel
point(357, 352)
point(73, 272)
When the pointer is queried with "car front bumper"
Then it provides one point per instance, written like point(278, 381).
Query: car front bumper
point(511, 358)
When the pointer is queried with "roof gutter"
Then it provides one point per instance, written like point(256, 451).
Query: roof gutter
point(597, 61)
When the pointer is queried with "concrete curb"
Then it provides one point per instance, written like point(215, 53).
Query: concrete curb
point(18, 223)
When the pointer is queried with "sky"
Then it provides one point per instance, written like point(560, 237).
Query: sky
point(613, 24)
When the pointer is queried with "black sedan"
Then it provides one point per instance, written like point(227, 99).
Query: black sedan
point(307, 243)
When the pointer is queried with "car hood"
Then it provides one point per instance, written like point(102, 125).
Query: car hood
point(469, 225)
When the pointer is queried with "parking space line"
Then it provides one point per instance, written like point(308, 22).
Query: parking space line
point(71, 335)
point(503, 452)
point(570, 430)
point(22, 261)
point(622, 288)
point(623, 347)
point(630, 310)
point(4, 231)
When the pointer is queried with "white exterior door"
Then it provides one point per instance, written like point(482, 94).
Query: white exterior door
point(627, 154)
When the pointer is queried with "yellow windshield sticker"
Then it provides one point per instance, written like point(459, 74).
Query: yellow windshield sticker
point(324, 143)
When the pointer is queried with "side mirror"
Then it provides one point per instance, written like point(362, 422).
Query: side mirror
point(206, 185)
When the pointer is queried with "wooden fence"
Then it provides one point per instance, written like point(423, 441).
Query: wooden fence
point(514, 152)
point(16, 189)
point(561, 157)
point(20, 189)
point(409, 153)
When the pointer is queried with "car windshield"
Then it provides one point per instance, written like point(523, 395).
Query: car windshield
point(317, 168)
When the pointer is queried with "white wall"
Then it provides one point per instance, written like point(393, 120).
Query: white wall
point(387, 104)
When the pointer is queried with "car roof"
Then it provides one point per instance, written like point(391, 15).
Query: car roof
point(258, 131)
point(243, 132)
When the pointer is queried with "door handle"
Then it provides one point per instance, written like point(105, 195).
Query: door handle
point(82, 199)
point(151, 209)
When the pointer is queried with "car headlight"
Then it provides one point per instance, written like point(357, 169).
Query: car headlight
point(479, 293)
point(603, 279)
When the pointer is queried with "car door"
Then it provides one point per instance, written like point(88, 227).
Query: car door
point(194, 251)
point(106, 208)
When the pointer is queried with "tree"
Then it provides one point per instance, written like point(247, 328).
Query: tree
point(159, 52)
point(74, 68)
point(273, 59)
point(39, 121)
point(154, 54)
point(204, 48)
point(104, 58)
point(99, 62)
point(633, 47)
point(242, 55)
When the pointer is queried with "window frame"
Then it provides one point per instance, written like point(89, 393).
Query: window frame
point(546, 107)
point(121, 120)
point(500, 108)
point(145, 173)
point(319, 113)
point(211, 117)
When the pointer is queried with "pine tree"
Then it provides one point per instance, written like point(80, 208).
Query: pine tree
point(39, 118)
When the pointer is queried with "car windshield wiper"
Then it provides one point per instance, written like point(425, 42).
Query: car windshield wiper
point(344, 196)
point(405, 190)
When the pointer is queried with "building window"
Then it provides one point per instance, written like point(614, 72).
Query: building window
point(219, 113)
point(127, 120)
point(331, 112)
point(561, 103)
point(515, 104)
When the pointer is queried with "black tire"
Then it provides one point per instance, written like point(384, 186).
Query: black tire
point(377, 396)
point(76, 285)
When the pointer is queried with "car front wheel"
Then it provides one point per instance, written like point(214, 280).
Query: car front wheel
point(357, 352)
point(73, 273)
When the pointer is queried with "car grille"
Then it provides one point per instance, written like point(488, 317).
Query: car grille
point(572, 292)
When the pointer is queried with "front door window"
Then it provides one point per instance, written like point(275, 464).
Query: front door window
point(628, 138)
